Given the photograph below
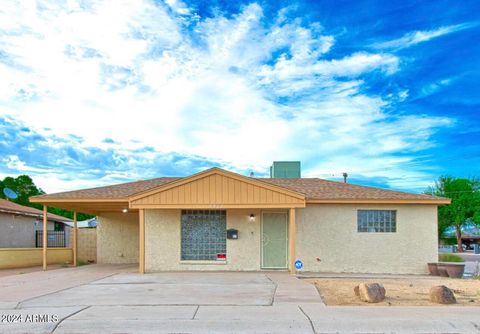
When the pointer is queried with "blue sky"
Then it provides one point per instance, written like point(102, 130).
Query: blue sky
point(101, 92)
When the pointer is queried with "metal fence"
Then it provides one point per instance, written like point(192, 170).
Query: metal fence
point(54, 239)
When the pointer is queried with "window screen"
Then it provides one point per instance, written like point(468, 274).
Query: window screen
point(377, 221)
point(204, 235)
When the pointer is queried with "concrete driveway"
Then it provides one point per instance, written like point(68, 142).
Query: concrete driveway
point(165, 289)
point(115, 299)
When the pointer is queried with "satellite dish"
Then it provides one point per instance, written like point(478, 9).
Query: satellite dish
point(10, 193)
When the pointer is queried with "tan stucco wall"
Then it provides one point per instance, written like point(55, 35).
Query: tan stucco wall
point(329, 232)
point(86, 244)
point(29, 257)
point(117, 238)
point(162, 242)
point(324, 231)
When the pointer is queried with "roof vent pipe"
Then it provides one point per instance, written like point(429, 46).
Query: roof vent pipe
point(345, 176)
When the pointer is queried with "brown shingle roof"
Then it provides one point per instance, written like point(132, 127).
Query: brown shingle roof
point(11, 207)
point(313, 189)
point(114, 192)
point(320, 189)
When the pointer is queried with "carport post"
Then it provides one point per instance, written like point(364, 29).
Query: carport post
point(45, 241)
point(75, 239)
point(141, 241)
point(292, 233)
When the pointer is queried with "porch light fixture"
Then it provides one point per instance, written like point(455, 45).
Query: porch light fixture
point(124, 210)
point(252, 217)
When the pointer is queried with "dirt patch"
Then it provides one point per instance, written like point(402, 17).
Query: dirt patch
point(400, 291)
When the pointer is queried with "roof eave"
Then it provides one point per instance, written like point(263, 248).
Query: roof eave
point(39, 199)
point(379, 201)
point(36, 215)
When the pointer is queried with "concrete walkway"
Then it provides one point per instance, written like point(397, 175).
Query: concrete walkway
point(290, 289)
point(21, 271)
point(114, 299)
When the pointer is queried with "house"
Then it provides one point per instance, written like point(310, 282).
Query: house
point(87, 223)
point(219, 220)
point(18, 226)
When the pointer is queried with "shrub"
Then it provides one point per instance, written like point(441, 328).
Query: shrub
point(449, 258)
point(449, 241)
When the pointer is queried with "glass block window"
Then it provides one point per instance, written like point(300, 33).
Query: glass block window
point(204, 235)
point(377, 221)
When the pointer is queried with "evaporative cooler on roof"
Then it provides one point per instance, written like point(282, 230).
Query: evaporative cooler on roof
point(285, 170)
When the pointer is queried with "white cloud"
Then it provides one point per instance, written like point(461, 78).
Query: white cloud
point(14, 162)
point(56, 182)
point(434, 87)
point(350, 66)
point(178, 6)
point(403, 95)
point(236, 90)
point(416, 37)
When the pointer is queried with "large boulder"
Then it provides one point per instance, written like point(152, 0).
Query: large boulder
point(442, 295)
point(370, 292)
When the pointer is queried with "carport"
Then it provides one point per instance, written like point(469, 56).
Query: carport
point(94, 207)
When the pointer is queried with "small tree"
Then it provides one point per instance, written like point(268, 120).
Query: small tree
point(24, 187)
point(465, 196)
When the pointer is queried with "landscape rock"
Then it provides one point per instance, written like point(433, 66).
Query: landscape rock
point(442, 295)
point(370, 292)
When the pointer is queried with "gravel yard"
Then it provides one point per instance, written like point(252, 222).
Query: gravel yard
point(409, 291)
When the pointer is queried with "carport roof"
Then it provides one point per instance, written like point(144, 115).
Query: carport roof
point(315, 190)
point(115, 192)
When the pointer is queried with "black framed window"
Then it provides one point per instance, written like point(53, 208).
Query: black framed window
point(204, 235)
point(376, 221)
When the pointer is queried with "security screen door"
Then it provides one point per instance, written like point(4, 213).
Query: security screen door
point(274, 240)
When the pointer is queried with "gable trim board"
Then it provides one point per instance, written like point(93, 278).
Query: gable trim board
point(219, 171)
point(216, 188)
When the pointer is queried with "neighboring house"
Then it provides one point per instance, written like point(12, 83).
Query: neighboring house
point(88, 223)
point(470, 234)
point(219, 220)
point(18, 225)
